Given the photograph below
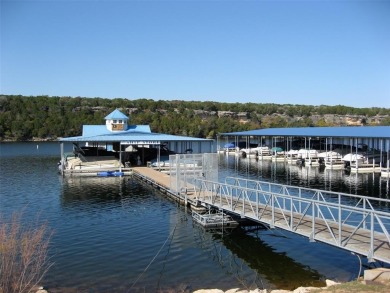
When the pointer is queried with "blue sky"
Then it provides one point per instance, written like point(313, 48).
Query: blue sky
point(284, 52)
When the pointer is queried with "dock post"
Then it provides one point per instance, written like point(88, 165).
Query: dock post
point(62, 159)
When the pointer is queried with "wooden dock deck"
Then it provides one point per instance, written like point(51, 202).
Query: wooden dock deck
point(162, 181)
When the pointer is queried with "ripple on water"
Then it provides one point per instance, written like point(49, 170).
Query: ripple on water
point(107, 231)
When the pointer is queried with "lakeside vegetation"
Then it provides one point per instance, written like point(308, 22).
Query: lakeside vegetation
point(24, 259)
point(44, 117)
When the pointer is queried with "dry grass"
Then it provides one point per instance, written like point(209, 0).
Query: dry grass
point(23, 254)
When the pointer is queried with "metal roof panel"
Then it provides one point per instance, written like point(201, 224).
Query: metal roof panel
point(342, 131)
point(131, 136)
point(92, 130)
point(116, 114)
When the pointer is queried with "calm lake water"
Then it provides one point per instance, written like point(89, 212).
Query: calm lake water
point(119, 235)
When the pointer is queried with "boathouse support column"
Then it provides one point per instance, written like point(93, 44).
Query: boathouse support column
point(159, 156)
point(62, 159)
point(120, 157)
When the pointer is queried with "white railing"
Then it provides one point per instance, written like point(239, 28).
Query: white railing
point(309, 212)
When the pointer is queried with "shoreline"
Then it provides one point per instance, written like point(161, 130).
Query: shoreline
point(34, 139)
point(374, 280)
point(379, 284)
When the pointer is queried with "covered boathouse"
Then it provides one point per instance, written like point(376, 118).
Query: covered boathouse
point(118, 145)
point(373, 141)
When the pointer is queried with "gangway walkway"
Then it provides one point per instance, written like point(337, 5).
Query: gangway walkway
point(359, 224)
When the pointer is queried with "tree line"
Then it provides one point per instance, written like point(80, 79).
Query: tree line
point(45, 117)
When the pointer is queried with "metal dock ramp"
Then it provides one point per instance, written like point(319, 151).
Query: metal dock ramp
point(356, 223)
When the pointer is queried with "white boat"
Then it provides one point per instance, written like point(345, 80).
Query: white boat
point(330, 155)
point(214, 220)
point(353, 159)
point(81, 162)
point(307, 154)
point(385, 172)
point(312, 162)
point(335, 164)
point(256, 151)
point(307, 157)
point(291, 156)
point(279, 157)
point(264, 153)
point(292, 153)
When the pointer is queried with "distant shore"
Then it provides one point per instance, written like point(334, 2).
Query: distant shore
point(34, 139)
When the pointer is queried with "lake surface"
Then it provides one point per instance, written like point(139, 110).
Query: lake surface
point(119, 235)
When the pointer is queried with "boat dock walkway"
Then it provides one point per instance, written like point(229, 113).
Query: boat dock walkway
point(162, 182)
point(355, 223)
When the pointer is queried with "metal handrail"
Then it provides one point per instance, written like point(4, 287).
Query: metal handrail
point(258, 183)
point(358, 212)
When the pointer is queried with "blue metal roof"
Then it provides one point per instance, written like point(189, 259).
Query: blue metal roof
point(345, 131)
point(133, 136)
point(93, 130)
point(116, 114)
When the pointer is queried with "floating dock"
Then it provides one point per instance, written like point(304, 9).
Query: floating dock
point(365, 168)
point(214, 220)
point(162, 181)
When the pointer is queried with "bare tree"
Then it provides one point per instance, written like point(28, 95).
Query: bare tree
point(23, 254)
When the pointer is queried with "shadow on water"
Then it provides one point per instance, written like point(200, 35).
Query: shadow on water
point(272, 269)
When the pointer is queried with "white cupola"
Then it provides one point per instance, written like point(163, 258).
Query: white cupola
point(116, 121)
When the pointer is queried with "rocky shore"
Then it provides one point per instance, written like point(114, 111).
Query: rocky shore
point(298, 290)
point(374, 280)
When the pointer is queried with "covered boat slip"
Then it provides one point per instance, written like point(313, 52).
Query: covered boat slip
point(121, 159)
point(115, 147)
point(371, 141)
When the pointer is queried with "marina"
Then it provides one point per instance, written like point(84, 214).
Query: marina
point(358, 149)
point(195, 146)
point(193, 181)
point(337, 214)
point(106, 232)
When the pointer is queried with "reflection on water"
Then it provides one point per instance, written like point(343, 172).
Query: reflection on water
point(276, 267)
point(123, 213)
point(271, 269)
point(317, 177)
point(99, 190)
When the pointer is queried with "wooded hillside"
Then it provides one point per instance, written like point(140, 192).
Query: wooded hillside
point(42, 117)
